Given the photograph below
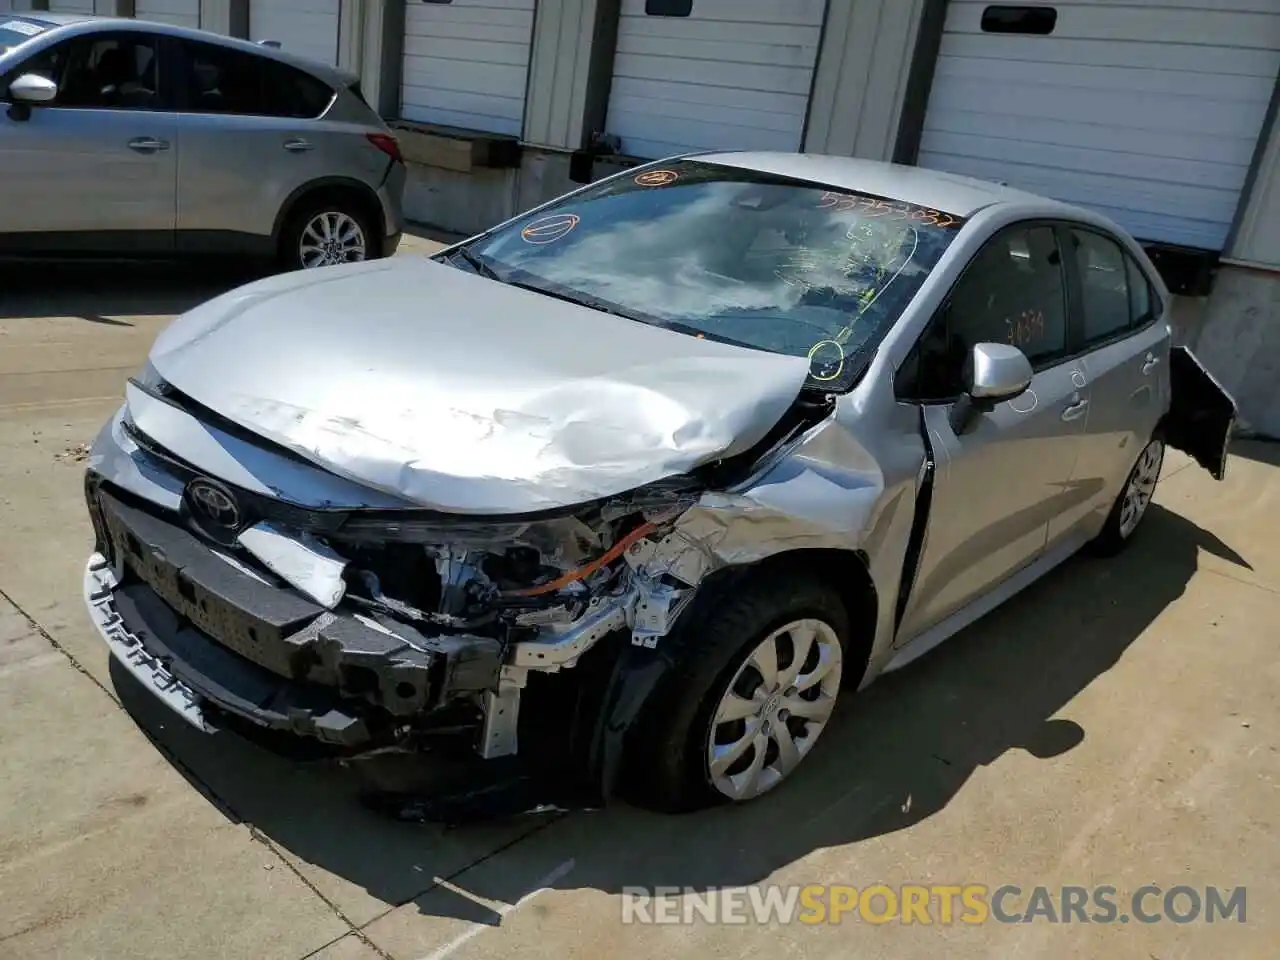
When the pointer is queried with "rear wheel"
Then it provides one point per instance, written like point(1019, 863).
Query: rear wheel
point(1131, 505)
point(325, 232)
point(753, 689)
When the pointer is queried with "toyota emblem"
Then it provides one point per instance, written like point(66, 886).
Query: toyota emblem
point(214, 503)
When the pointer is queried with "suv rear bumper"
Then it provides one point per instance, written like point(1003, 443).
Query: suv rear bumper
point(391, 197)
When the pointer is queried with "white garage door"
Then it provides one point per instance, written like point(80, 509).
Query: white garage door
point(71, 6)
point(1147, 110)
point(466, 63)
point(182, 13)
point(731, 75)
point(308, 28)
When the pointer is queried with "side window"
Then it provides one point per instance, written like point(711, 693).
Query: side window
point(292, 93)
point(219, 80)
point(1142, 300)
point(1014, 292)
point(1104, 282)
point(111, 72)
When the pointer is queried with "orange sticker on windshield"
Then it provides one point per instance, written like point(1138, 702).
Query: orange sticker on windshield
point(549, 229)
point(656, 178)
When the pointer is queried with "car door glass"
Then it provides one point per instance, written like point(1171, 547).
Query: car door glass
point(1104, 286)
point(1141, 299)
point(113, 72)
point(1012, 292)
point(292, 93)
point(219, 80)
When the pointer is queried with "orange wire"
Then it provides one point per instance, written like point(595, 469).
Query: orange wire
point(613, 553)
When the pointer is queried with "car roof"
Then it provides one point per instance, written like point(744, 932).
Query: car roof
point(952, 193)
point(84, 23)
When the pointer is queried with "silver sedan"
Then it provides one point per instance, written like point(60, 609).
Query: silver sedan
point(637, 486)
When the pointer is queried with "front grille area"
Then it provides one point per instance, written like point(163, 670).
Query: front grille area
point(256, 506)
point(398, 668)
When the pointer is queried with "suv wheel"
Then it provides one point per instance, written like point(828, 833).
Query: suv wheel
point(325, 233)
point(753, 688)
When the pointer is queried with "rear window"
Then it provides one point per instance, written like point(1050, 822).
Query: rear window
point(18, 30)
point(735, 255)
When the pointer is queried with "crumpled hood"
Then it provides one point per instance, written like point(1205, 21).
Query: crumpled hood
point(467, 395)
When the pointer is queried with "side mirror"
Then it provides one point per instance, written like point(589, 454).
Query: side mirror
point(33, 88)
point(993, 373)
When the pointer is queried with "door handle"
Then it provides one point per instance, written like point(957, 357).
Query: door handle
point(1150, 364)
point(297, 145)
point(1076, 408)
point(148, 144)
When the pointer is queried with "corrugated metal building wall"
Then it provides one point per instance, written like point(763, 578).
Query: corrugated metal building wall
point(466, 63)
point(182, 13)
point(731, 74)
point(1149, 111)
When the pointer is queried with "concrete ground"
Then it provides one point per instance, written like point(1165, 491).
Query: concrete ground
point(1117, 724)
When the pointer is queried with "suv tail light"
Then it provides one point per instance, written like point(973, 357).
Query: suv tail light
point(387, 144)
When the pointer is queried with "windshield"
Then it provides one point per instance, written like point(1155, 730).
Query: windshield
point(733, 255)
point(14, 31)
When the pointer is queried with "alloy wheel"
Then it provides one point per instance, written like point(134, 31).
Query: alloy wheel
point(1141, 487)
point(331, 238)
point(774, 709)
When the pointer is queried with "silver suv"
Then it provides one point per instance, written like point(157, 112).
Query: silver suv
point(121, 137)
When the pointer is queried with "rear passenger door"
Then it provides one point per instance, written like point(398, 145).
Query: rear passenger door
point(244, 131)
point(1124, 350)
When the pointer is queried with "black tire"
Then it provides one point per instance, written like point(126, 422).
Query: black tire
point(665, 767)
point(288, 254)
point(1114, 536)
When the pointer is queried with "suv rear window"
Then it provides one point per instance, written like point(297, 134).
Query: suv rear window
point(222, 80)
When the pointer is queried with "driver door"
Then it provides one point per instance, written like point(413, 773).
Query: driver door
point(97, 166)
point(997, 485)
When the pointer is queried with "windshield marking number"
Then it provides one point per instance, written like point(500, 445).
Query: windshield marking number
point(872, 207)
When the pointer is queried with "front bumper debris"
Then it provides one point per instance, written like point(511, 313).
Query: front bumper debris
point(198, 627)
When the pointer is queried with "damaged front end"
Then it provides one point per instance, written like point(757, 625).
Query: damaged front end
point(376, 630)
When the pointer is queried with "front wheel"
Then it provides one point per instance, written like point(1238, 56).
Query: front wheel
point(1131, 505)
point(325, 233)
point(753, 690)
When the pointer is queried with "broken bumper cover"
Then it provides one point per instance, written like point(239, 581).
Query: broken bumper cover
point(199, 629)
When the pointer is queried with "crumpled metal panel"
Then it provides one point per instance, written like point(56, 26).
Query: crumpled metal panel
point(467, 396)
point(836, 487)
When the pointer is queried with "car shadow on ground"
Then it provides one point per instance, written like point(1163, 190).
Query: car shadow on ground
point(115, 289)
point(896, 754)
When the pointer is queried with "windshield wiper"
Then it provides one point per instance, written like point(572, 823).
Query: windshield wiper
point(478, 264)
